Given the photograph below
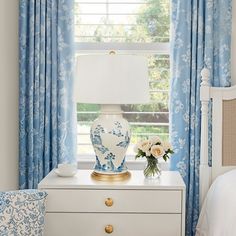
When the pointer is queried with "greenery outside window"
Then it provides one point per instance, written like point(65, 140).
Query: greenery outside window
point(128, 27)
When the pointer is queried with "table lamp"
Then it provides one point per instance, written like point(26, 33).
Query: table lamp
point(111, 80)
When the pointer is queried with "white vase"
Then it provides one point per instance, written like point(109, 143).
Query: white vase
point(110, 136)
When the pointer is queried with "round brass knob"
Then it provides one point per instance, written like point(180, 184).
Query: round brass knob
point(109, 229)
point(109, 202)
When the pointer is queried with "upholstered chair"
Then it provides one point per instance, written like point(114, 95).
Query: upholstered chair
point(22, 213)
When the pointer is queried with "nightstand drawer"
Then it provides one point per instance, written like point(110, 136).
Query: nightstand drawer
point(88, 224)
point(133, 201)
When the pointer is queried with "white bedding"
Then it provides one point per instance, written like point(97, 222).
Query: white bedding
point(218, 214)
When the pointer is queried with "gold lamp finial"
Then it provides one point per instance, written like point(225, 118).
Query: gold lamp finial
point(112, 52)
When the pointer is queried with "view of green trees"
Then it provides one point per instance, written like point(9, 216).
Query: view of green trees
point(149, 24)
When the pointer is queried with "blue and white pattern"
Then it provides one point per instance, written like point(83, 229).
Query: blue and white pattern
point(96, 139)
point(22, 213)
point(110, 145)
point(126, 142)
point(47, 114)
point(201, 37)
point(109, 166)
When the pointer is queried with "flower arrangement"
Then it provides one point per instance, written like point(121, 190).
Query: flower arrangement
point(153, 149)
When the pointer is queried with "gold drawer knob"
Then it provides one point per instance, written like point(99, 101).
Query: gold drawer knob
point(109, 229)
point(109, 202)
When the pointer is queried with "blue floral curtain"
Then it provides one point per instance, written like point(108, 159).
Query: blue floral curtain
point(46, 112)
point(201, 36)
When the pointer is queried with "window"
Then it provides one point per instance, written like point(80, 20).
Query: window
point(133, 27)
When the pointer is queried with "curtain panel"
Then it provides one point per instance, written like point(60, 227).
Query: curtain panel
point(47, 122)
point(201, 36)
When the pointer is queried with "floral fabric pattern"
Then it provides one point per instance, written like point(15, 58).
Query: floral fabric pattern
point(201, 37)
point(22, 213)
point(46, 111)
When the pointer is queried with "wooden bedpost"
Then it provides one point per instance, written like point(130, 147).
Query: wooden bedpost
point(205, 170)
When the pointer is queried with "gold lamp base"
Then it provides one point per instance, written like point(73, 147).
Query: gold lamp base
point(111, 177)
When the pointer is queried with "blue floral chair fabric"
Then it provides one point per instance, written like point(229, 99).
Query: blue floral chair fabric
point(22, 213)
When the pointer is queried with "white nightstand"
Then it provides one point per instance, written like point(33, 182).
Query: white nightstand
point(84, 207)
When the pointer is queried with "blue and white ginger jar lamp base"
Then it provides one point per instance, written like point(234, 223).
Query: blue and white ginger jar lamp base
point(110, 136)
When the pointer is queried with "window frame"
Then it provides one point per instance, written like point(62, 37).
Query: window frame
point(154, 48)
point(135, 48)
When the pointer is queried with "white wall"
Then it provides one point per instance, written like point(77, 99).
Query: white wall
point(8, 94)
point(233, 62)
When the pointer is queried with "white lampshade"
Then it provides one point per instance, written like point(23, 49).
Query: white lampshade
point(112, 79)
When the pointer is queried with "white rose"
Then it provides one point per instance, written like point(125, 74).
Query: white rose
point(137, 146)
point(148, 153)
point(157, 151)
point(155, 139)
point(167, 146)
point(144, 145)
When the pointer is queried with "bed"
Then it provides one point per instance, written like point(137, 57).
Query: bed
point(218, 182)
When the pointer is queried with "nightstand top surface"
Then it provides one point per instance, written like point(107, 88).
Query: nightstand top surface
point(83, 180)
